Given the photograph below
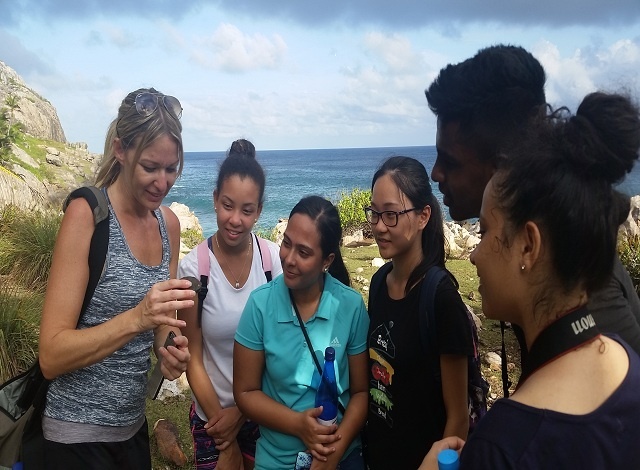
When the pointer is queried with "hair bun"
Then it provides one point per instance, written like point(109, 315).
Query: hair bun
point(242, 148)
point(608, 128)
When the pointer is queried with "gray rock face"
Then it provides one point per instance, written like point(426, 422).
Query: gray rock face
point(16, 191)
point(30, 181)
point(37, 115)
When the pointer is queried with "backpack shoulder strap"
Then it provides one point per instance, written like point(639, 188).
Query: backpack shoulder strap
point(100, 238)
point(265, 255)
point(376, 280)
point(203, 271)
point(427, 315)
point(96, 199)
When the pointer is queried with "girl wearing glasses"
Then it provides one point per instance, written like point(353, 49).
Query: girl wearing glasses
point(98, 361)
point(549, 223)
point(275, 374)
point(406, 221)
point(222, 435)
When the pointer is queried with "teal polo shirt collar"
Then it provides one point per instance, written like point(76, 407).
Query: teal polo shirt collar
point(289, 315)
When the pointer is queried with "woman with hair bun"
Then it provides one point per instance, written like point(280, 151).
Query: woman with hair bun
point(222, 435)
point(549, 223)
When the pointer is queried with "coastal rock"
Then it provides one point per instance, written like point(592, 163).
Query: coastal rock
point(630, 226)
point(352, 239)
point(37, 115)
point(16, 191)
point(173, 388)
point(279, 229)
point(23, 156)
point(39, 180)
point(188, 220)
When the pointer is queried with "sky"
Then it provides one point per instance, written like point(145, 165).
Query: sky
point(299, 74)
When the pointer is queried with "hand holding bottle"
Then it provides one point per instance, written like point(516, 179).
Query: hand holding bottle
point(430, 461)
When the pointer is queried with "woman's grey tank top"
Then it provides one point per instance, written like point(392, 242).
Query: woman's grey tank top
point(112, 391)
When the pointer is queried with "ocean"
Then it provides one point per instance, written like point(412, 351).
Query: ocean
point(292, 174)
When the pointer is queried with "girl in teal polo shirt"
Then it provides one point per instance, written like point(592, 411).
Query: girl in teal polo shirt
point(275, 376)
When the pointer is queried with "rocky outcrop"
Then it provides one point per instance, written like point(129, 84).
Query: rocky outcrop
point(36, 178)
point(37, 115)
point(18, 189)
point(64, 167)
point(630, 227)
point(188, 220)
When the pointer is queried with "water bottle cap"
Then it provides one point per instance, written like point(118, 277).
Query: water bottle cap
point(448, 460)
point(329, 354)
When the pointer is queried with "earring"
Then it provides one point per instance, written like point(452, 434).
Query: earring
point(325, 269)
point(522, 267)
point(255, 221)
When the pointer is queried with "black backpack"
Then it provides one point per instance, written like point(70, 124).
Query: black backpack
point(23, 398)
point(478, 387)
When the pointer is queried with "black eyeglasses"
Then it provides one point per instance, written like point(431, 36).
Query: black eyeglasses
point(389, 218)
point(146, 104)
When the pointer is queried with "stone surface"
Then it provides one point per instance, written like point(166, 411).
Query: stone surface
point(168, 441)
point(188, 220)
point(37, 115)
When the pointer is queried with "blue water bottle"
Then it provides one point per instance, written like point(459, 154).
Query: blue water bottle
point(448, 459)
point(327, 394)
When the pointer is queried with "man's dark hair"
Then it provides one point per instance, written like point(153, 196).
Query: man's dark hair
point(492, 95)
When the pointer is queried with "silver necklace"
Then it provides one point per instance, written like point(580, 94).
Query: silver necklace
point(237, 278)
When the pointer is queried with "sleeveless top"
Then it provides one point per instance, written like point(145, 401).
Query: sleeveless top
point(112, 391)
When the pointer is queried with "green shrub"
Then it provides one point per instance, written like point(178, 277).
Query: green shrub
point(351, 206)
point(191, 237)
point(26, 246)
point(267, 234)
point(629, 251)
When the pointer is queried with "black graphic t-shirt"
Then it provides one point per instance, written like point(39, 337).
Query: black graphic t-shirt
point(406, 408)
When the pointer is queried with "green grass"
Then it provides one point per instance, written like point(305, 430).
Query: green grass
point(19, 320)
point(176, 410)
point(26, 246)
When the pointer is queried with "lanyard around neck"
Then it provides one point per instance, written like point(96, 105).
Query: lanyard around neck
point(304, 332)
point(306, 337)
point(562, 336)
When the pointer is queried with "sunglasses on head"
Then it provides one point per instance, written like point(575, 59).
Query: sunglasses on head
point(146, 104)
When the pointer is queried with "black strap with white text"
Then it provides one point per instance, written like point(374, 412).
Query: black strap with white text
point(564, 335)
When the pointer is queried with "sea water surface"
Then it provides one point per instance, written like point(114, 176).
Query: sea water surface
point(292, 174)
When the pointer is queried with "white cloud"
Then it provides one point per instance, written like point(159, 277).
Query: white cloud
point(570, 78)
point(229, 49)
point(119, 37)
point(395, 50)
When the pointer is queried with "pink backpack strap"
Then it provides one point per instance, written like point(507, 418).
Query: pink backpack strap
point(265, 255)
point(203, 259)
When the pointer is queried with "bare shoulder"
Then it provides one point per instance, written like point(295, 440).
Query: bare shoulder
point(79, 209)
point(78, 219)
